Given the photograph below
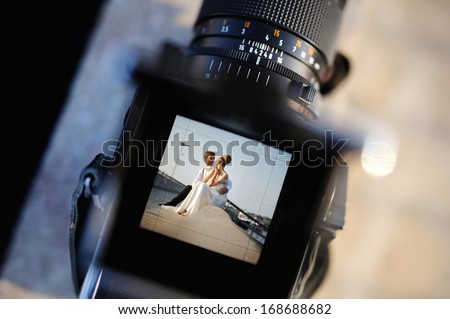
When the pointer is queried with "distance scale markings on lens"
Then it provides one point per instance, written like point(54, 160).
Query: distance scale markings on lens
point(256, 53)
point(221, 67)
point(267, 35)
point(217, 67)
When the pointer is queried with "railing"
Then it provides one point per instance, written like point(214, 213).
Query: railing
point(252, 226)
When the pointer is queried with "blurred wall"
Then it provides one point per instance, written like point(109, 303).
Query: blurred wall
point(395, 243)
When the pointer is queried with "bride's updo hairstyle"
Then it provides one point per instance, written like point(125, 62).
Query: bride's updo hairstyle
point(226, 159)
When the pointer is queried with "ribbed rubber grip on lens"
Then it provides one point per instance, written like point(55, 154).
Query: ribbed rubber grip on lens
point(315, 20)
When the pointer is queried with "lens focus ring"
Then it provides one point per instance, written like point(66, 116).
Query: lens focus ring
point(317, 21)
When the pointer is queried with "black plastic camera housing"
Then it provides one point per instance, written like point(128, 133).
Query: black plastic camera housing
point(254, 92)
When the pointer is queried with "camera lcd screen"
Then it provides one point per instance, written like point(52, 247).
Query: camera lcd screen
point(228, 209)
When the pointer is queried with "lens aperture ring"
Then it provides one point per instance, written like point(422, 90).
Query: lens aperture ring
point(318, 21)
point(249, 35)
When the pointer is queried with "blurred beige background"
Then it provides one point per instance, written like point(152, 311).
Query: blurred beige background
point(397, 236)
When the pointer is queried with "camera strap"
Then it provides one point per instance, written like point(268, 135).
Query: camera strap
point(86, 208)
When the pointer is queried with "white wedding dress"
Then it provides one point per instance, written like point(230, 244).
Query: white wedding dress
point(201, 195)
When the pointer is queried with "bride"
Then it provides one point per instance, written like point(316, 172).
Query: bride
point(206, 192)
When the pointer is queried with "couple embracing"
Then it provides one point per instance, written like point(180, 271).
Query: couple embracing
point(210, 187)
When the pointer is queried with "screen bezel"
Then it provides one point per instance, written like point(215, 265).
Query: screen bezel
point(187, 267)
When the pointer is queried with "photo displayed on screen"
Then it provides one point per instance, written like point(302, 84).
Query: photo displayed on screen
point(216, 190)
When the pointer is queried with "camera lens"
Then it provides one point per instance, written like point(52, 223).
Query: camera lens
point(266, 42)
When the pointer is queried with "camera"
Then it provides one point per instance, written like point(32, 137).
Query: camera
point(248, 86)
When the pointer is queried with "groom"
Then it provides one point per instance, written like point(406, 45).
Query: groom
point(208, 158)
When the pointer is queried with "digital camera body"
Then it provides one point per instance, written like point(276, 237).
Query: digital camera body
point(242, 88)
